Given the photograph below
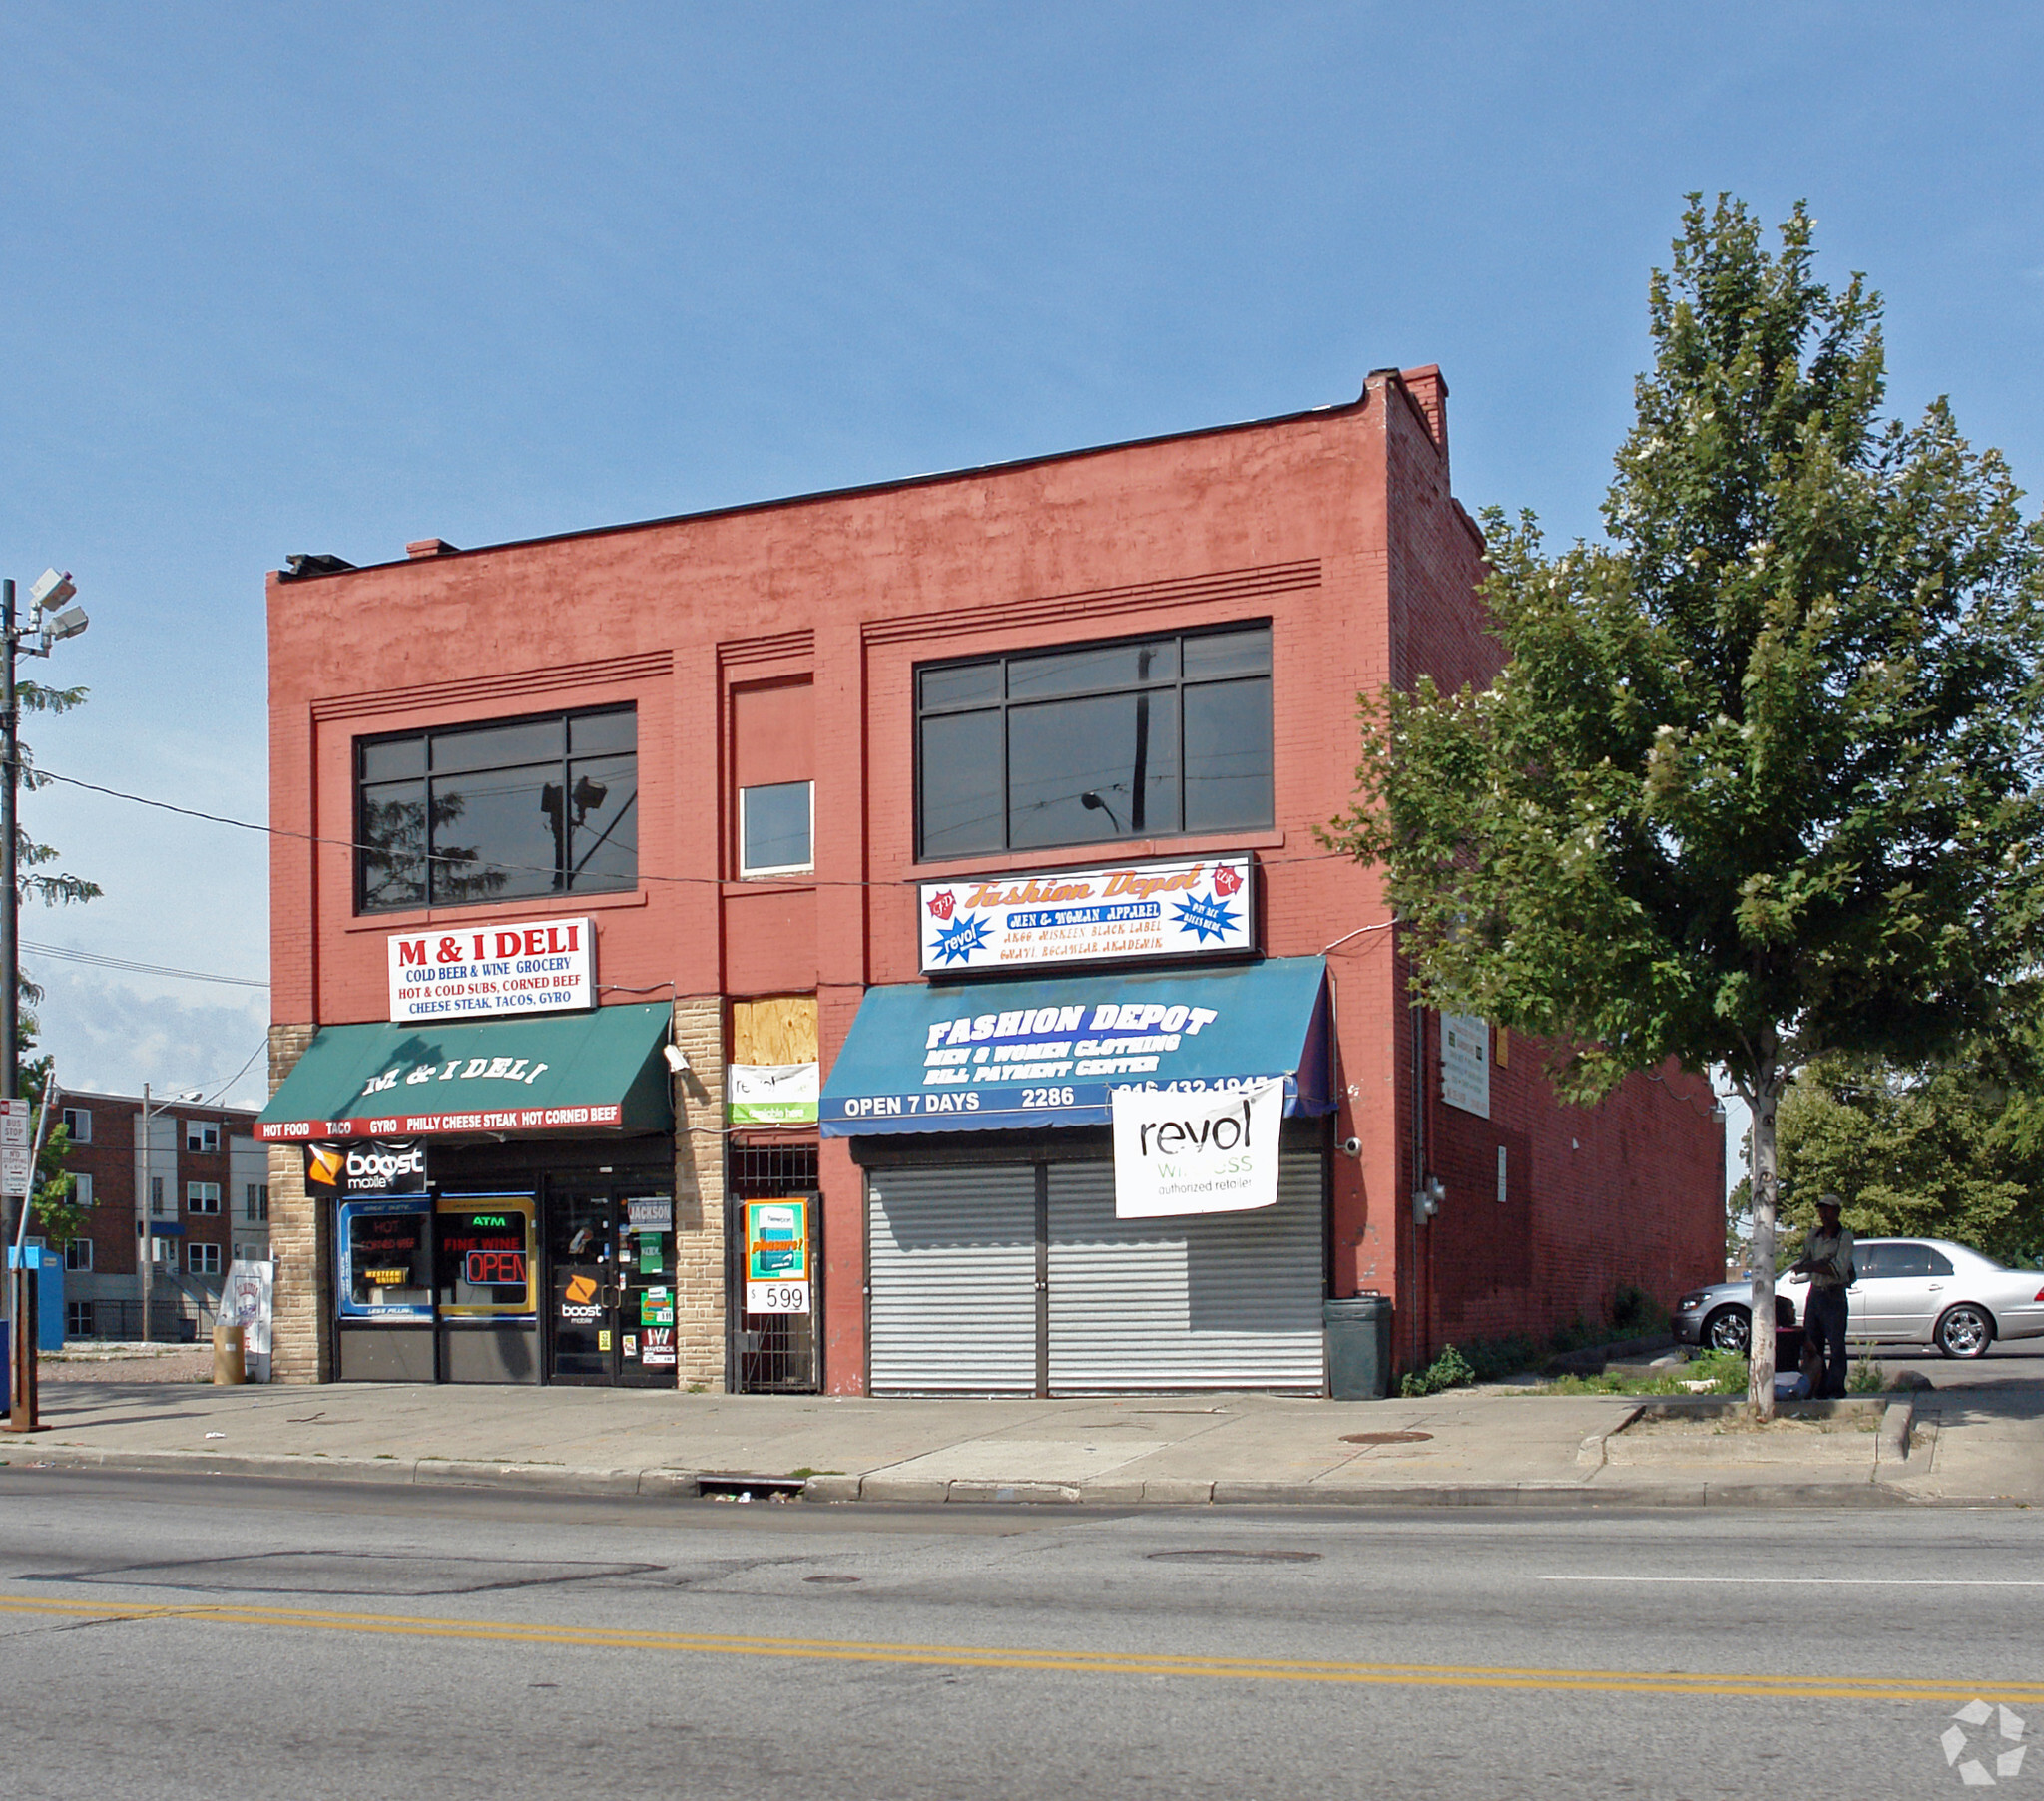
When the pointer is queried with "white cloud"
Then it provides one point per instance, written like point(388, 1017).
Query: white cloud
point(110, 1038)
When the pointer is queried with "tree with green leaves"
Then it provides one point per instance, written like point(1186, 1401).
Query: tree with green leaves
point(1949, 1149)
point(1759, 780)
point(52, 1210)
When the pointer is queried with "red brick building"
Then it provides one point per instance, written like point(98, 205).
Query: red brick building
point(195, 1190)
point(759, 758)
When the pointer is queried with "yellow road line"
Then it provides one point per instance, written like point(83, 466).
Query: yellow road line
point(1257, 1669)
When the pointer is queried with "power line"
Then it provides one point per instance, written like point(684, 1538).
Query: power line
point(146, 969)
point(352, 844)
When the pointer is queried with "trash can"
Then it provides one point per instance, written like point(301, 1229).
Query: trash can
point(1358, 1347)
point(229, 1364)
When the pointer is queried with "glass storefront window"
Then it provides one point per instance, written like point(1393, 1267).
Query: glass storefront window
point(383, 1258)
point(483, 1255)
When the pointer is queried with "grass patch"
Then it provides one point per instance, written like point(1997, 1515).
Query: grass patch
point(1726, 1374)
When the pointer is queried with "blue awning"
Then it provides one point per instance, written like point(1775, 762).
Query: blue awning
point(990, 1056)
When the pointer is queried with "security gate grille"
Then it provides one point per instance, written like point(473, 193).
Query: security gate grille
point(1016, 1278)
point(1197, 1300)
point(951, 1260)
point(770, 1353)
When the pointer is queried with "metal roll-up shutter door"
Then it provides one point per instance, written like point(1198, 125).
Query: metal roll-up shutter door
point(951, 1257)
point(1200, 1300)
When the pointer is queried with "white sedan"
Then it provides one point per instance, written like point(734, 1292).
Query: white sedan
point(1909, 1291)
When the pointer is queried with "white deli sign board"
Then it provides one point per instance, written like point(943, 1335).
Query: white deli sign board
point(1199, 907)
point(1205, 1151)
point(527, 967)
point(17, 1153)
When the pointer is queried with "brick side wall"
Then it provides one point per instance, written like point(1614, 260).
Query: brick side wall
point(300, 1242)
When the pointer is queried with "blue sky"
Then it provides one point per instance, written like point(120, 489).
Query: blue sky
point(330, 278)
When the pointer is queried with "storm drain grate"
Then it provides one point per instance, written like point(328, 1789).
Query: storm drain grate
point(1384, 1437)
point(747, 1488)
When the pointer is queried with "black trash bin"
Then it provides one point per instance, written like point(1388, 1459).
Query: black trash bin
point(1358, 1347)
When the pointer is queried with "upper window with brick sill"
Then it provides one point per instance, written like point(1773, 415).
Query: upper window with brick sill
point(507, 810)
point(1142, 737)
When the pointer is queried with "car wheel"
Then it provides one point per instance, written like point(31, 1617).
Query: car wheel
point(1728, 1329)
point(1964, 1331)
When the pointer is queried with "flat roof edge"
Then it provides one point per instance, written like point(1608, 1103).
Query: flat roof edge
point(893, 485)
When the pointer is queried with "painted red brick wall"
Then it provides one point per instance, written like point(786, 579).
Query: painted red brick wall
point(1338, 526)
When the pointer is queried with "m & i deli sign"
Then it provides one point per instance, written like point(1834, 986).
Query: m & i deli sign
point(535, 966)
point(1188, 909)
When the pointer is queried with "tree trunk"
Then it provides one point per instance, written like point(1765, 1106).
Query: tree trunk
point(1759, 1387)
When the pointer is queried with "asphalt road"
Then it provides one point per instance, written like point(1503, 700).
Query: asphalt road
point(170, 1638)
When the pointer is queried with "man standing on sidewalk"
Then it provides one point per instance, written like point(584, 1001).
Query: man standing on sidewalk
point(1827, 1260)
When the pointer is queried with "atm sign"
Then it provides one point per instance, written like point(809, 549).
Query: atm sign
point(496, 1270)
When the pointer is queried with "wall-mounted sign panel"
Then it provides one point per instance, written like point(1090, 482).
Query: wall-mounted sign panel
point(783, 1093)
point(531, 966)
point(1200, 908)
point(1465, 1063)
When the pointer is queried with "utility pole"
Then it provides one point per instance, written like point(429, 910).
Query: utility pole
point(50, 620)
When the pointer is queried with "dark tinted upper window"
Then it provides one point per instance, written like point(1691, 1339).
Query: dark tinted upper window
point(1144, 737)
point(498, 811)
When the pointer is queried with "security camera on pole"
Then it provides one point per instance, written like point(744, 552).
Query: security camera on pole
point(51, 620)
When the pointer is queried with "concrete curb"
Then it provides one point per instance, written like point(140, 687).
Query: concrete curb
point(1895, 1422)
point(1591, 1454)
point(686, 1485)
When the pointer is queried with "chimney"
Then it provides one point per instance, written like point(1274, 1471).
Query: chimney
point(430, 546)
point(1428, 387)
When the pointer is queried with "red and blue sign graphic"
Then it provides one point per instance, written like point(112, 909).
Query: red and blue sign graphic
point(1127, 913)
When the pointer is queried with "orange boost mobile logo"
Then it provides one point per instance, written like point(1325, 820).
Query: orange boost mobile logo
point(325, 1165)
point(581, 1291)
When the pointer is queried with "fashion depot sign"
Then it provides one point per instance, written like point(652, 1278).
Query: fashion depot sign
point(531, 966)
point(1196, 1153)
point(1202, 908)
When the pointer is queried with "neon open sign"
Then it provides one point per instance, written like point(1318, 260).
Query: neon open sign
point(496, 1270)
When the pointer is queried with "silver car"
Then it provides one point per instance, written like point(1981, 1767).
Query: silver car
point(1909, 1291)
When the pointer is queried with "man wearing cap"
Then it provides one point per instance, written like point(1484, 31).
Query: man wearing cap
point(1827, 1260)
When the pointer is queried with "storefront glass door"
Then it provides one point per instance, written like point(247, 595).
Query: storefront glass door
point(611, 1285)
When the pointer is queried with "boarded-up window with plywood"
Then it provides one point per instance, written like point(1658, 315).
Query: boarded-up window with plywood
point(772, 1076)
point(774, 763)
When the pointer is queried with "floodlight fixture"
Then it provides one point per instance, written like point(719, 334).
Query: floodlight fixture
point(67, 624)
point(676, 1058)
point(53, 588)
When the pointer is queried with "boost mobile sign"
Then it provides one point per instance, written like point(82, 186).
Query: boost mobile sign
point(367, 1171)
point(1176, 910)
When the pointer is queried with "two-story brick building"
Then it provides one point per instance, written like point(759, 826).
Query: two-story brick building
point(715, 949)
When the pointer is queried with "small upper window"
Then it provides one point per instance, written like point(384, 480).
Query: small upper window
point(202, 1198)
point(1148, 737)
point(776, 828)
point(81, 1191)
point(78, 1254)
point(202, 1135)
point(498, 811)
point(78, 1122)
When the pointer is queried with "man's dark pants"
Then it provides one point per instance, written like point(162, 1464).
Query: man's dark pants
point(1824, 1321)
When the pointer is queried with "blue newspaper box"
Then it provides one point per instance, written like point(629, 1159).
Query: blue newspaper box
point(49, 1269)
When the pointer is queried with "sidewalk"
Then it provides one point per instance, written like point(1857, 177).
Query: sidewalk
point(1486, 1447)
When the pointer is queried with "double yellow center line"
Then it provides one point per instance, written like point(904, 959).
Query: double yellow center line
point(2028, 1691)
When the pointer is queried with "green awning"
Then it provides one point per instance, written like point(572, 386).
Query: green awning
point(569, 1073)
